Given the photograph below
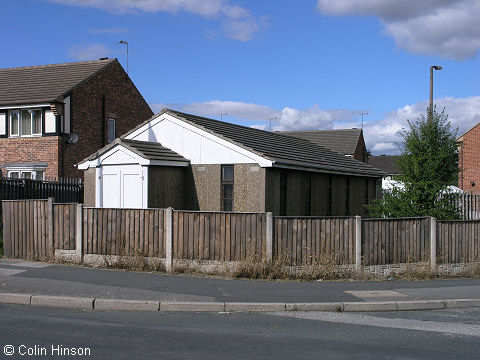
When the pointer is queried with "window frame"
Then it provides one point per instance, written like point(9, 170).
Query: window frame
point(223, 183)
point(20, 111)
point(33, 171)
point(109, 121)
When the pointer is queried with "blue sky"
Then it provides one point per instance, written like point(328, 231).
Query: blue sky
point(311, 64)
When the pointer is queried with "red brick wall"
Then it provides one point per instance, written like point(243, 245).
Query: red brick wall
point(122, 101)
point(469, 160)
point(32, 150)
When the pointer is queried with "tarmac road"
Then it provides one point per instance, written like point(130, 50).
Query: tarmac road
point(438, 334)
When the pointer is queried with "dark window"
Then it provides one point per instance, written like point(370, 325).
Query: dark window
point(330, 196)
point(308, 195)
point(111, 130)
point(227, 188)
point(347, 196)
point(283, 192)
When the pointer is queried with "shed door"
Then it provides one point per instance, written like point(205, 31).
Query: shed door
point(122, 186)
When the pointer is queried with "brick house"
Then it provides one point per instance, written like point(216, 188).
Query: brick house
point(468, 163)
point(196, 163)
point(52, 116)
point(349, 142)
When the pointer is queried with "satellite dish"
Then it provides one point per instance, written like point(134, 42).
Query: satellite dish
point(70, 138)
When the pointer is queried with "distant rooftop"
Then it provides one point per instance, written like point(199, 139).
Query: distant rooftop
point(387, 163)
point(343, 141)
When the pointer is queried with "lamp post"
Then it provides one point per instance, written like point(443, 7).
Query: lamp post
point(430, 109)
point(123, 42)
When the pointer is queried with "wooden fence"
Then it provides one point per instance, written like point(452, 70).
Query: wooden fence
point(26, 229)
point(458, 241)
point(395, 241)
point(126, 232)
point(306, 240)
point(218, 236)
point(38, 228)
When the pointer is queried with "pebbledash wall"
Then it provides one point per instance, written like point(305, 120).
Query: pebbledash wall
point(255, 189)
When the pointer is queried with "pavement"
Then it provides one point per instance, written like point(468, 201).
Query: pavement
point(78, 287)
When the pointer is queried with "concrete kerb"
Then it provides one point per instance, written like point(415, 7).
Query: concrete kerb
point(99, 304)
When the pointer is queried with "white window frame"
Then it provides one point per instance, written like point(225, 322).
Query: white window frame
point(21, 171)
point(10, 122)
point(20, 120)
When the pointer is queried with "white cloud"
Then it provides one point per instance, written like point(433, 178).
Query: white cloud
point(238, 22)
point(259, 115)
point(381, 136)
point(113, 30)
point(89, 51)
point(447, 28)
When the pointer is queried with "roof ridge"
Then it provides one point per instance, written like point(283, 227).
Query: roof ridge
point(59, 64)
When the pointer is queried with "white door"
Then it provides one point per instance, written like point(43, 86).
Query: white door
point(132, 190)
point(122, 186)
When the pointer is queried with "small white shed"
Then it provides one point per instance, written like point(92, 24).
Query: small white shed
point(122, 171)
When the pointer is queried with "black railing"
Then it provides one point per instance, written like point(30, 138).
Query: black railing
point(62, 190)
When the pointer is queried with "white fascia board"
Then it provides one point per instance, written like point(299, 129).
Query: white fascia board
point(263, 162)
point(98, 161)
point(169, 163)
point(24, 106)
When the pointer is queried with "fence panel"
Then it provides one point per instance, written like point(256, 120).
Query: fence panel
point(26, 229)
point(393, 241)
point(306, 240)
point(127, 232)
point(65, 220)
point(218, 236)
point(458, 241)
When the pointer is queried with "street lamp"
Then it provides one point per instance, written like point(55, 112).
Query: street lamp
point(123, 42)
point(430, 110)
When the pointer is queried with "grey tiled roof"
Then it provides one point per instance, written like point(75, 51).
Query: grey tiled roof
point(282, 149)
point(344, 141)
point(152, 150)
point(44, 83)
point(146, 149)
point(387, 163)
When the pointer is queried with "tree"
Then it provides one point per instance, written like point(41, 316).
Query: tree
point(429, 164)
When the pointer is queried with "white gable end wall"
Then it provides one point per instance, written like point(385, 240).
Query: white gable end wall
point(195, 144)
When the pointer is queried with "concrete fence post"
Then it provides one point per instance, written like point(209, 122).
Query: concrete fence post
point(269, 237)
point(433, 244)
point(50, 248)
point(79, 235)
point(358, 243)
point(169, 239)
